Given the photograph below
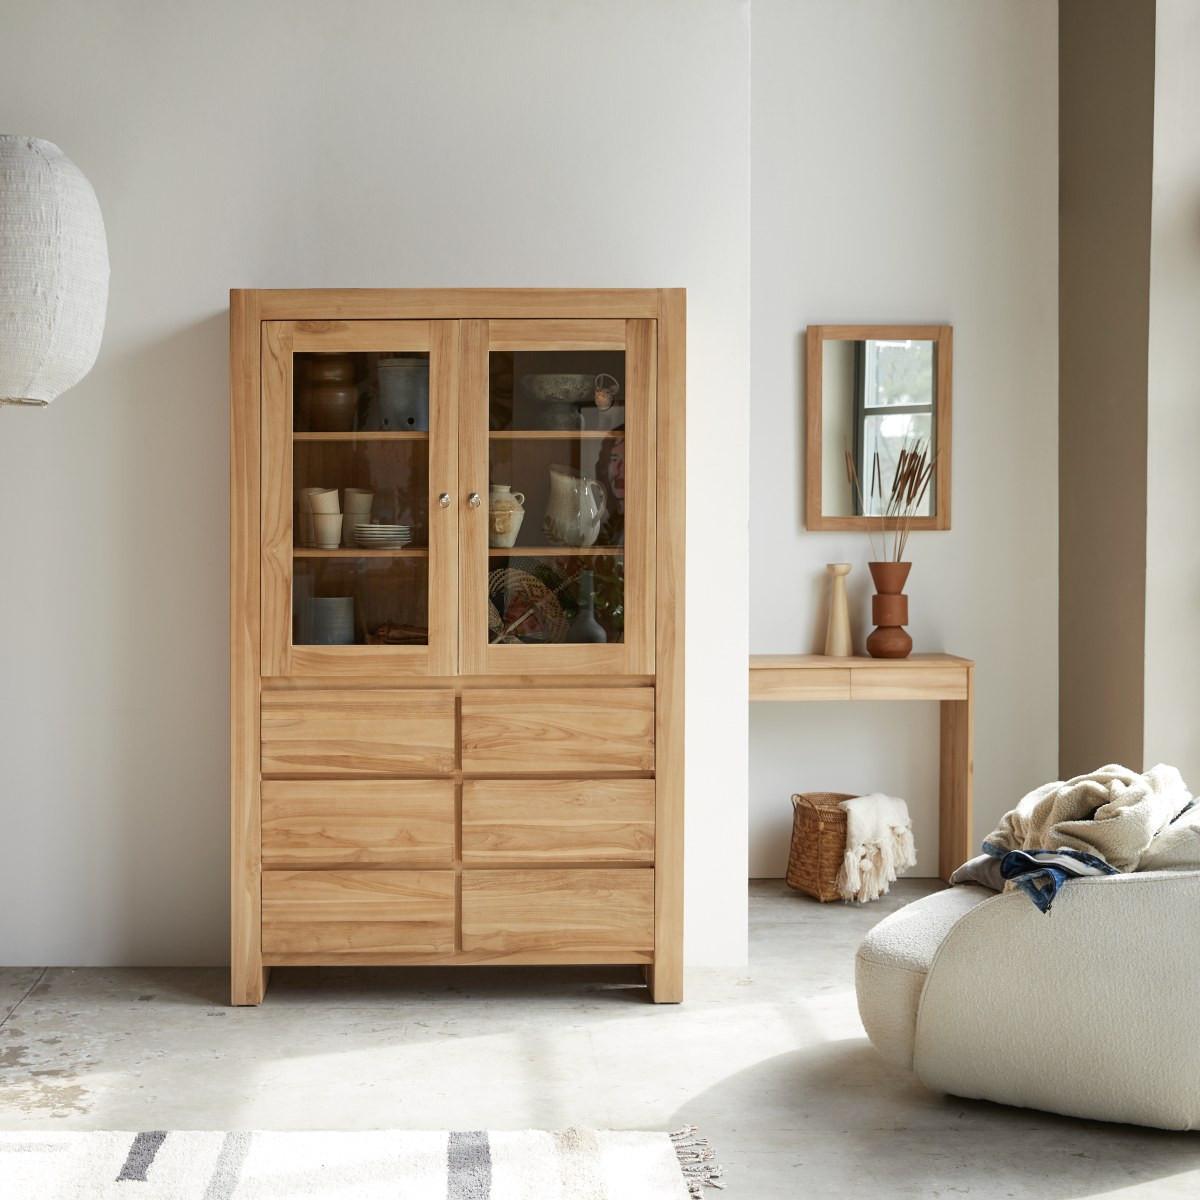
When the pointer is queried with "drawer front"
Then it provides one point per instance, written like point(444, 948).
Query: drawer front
point(582, 911)
point(327, 913)
point(399, 823)
point(554, 731)
point(800, 683)
point(588, 820)
point(367, 732)
point(932, 681)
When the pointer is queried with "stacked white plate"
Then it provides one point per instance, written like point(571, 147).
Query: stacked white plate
point(382, 537)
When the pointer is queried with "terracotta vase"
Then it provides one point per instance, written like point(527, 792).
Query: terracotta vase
point(889, 611)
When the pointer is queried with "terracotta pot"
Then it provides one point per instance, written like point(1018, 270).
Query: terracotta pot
point(889, 611)
point(332, 407)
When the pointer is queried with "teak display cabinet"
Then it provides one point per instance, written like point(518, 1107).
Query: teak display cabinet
point(457, 736)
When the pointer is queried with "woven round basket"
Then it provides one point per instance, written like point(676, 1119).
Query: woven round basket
point(818, 843)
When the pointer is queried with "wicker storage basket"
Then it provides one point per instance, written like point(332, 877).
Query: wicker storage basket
point(818, 843)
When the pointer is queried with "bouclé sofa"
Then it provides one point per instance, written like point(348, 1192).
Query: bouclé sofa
point(1091, 1010)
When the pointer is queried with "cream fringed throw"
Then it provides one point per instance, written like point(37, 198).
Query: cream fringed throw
point(879, 845)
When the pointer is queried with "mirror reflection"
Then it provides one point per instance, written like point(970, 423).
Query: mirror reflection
point(877, 399)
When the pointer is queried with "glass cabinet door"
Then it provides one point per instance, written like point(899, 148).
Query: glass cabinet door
point(558, 477)
point(359, 531)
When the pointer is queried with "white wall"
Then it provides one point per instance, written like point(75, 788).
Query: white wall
point(302, 144)
point(1172, 709)
point(904, 164)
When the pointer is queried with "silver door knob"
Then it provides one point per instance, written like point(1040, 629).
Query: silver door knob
point(444, 500)
point(473, 500)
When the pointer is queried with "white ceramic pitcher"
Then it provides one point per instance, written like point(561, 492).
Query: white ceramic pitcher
point(575, 510)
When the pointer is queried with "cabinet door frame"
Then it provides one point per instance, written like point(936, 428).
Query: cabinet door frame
point(638, 338)
point(280, 341)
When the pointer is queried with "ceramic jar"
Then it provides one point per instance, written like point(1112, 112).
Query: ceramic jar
point(329, 399)
point(506, 511)
point(575, 510)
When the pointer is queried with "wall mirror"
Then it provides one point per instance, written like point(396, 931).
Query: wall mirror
point(870, 392)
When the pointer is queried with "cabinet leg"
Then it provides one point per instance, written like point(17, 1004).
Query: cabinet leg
point(665, 984)
point(956, 785)
point(248, 985)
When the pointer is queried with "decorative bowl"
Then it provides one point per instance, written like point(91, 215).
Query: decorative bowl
point(573, 389)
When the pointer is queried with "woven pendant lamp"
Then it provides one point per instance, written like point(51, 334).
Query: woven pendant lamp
point(53, 272)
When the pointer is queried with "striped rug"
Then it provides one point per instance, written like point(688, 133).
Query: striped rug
point(572, 1164)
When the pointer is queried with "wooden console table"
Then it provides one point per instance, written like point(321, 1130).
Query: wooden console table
point(942, 677)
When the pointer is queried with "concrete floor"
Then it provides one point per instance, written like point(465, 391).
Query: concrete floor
point(771, 1064)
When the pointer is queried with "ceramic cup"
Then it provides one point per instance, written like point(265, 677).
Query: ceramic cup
point(356, 508)
point(305, 534)
point(357, 501)
point(324, 500)
point(332, 620)
point(328, 528)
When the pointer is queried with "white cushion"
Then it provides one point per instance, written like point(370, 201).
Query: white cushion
point(893, 961)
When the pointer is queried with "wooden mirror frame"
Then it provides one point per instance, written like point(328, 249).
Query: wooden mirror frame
point(815, 336)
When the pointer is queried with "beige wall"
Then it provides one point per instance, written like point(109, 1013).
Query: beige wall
point(1106, 96)
point(303, 143)
point(1172, 703)
point(904, 166)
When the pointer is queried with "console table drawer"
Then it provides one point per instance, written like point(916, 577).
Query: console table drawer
point(554, 731)
point(558, 821)
point(400, 823)
point(323, 914)
point(537, 911)
point(332, 731)
point(916, 681)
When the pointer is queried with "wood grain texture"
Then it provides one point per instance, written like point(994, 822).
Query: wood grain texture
point(353, 337)
point(546, 731)
point(247, 976)
point(328, 913)
point(956, 786)
point(819, 677)
point(399, 823)
point(554, 334)
point(930, 682)
point(460, 958)
point(814, 337)
point(276, 498)
point(442, 656)
point(641, 467)
point(558, 821)
point(546, 910)
point(473, 470)
point(329, 732)
point(361, 304)
point(827, 683)
point(666, 975)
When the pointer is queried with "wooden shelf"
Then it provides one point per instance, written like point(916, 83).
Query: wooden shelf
point(555, 551)
point(358, 552)
point(391, 435)
point(554, 435)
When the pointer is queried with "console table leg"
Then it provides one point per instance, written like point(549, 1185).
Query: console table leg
point(956, 784)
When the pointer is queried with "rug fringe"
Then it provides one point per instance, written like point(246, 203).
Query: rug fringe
point(697, 1161)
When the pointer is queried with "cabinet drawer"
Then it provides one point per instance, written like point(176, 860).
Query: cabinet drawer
point(553, 731)
point(604, 911)
point(345, 732)
point(319, 915)
point(588, 820)
point(399, 823)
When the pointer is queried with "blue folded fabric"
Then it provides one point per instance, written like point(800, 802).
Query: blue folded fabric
point(1040, 873)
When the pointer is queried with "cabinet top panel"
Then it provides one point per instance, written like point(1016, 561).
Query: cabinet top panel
point(316, 304)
